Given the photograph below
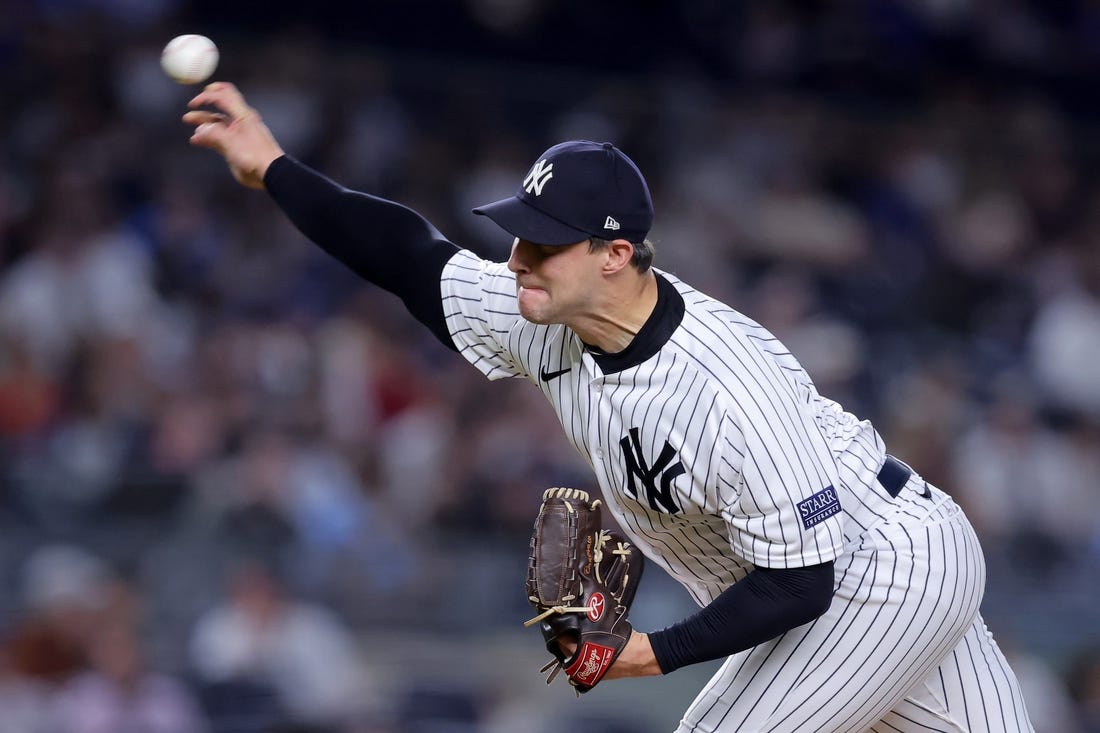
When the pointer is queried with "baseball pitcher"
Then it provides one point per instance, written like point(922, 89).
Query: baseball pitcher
point(840, 587)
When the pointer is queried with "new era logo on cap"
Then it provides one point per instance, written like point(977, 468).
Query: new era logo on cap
point(596, 190)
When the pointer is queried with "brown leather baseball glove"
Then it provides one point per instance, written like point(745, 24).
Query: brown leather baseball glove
point(582, 580)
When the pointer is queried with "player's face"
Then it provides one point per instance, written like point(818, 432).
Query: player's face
point(553, 283)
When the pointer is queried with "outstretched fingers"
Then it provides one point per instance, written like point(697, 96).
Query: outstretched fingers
point(214, 112)
point(224, 123)
point(224, 97)
point(201, 117)
point(210, 132)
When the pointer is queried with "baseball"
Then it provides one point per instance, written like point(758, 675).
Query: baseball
point(189, 59)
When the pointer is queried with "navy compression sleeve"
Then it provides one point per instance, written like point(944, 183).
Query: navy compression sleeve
point(760, 606)
point(383, 242)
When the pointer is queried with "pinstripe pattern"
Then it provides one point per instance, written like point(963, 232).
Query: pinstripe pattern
point(902, 648)
point(754, 443)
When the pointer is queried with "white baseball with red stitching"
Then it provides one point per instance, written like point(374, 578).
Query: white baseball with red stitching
point(190, 58)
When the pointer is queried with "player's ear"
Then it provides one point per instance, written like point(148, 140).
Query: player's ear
point(619, 254)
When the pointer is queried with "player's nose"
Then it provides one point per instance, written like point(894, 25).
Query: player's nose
point(519, 260)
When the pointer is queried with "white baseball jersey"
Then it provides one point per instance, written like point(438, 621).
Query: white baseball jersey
point(715, 453)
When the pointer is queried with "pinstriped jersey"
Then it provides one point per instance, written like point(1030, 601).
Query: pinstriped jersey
point(710, 444)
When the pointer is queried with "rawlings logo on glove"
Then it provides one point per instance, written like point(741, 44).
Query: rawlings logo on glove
point(595, 606)
point(592, 662)
point(582, 580)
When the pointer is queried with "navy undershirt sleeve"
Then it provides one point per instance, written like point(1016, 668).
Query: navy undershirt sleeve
point(760, 606)
point(383, 242)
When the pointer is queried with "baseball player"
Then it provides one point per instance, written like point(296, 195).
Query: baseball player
point(841, 588)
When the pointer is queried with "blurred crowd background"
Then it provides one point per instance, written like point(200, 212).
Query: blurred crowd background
point(241, 491)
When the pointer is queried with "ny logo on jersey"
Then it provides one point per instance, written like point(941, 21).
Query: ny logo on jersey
point(537, 178)
point(656, 492)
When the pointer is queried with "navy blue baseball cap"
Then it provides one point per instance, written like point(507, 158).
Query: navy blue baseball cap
point(576, 190)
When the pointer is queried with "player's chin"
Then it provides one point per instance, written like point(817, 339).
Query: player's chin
point(534, 305)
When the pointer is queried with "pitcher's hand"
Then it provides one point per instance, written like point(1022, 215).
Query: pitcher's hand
point(234, 130)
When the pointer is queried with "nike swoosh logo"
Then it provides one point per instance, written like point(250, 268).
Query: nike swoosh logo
point(547, 376)
point(927, 492)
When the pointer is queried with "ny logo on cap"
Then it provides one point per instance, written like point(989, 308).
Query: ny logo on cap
point(538, 177)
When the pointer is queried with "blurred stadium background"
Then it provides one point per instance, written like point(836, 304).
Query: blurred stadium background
point(242, 492)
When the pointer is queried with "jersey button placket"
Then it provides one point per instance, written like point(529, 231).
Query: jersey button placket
point(597, 432)
point(597, 417)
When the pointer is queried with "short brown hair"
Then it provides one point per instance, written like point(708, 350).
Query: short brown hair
point(642, 258)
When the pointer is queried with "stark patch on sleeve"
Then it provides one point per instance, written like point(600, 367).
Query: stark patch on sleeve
point(819, 507)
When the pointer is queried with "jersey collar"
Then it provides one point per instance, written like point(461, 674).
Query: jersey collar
point(655, 332)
